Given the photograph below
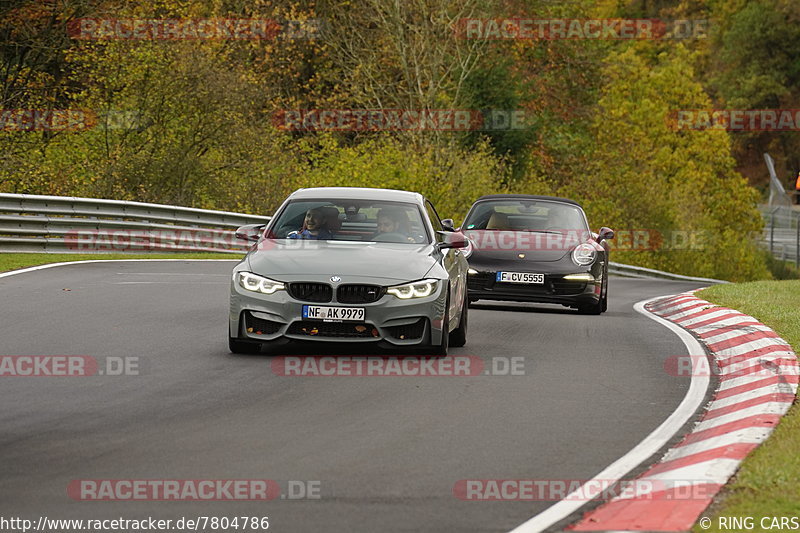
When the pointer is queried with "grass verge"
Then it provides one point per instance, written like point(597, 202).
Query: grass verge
point(768, 482)
point(12, 261)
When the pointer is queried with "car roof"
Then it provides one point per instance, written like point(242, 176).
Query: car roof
point(489, 197)
point(358, 193)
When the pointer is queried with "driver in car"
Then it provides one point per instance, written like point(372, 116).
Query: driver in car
point(315, 226)
point(392, 226)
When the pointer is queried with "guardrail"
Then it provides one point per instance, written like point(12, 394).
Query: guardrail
point(631, 271)
point(64, 224)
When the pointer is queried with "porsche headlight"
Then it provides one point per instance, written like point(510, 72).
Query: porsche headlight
point(255, 283)
point(585, 276)
point(417, 289)
point(584, 254)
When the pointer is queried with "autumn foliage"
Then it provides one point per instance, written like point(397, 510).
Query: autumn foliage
point(191, 121)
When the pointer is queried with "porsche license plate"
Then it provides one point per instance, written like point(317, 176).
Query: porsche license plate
point(520, 277)
point(334, 314)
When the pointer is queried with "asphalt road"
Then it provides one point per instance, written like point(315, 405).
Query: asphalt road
point(386, 451)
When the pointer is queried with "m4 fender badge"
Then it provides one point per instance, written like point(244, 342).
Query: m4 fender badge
point(335, 279)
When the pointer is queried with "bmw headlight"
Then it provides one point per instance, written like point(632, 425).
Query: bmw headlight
point(417, 289)
point(255, 283)
point(584, 254)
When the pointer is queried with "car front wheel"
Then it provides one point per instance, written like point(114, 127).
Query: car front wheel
point(441, 349)
point(458, 337)
point(592, 309)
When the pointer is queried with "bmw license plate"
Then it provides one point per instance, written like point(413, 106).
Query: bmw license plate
point(520, 277)
point(333, 314)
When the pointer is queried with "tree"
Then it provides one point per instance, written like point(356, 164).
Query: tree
point(649, 176)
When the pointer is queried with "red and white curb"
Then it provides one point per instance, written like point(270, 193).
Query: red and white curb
point(758, 377)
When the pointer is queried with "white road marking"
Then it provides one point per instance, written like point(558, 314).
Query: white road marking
point(164, 283)
point(751, 435)
point(730, 332)
point(742, 349)
point(53, 265)
point(711, 315)
point(171, 274)
point(713, 470)
point(771, 408)
point(739, 398)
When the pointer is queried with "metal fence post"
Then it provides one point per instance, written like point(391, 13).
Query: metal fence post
point(771, 231)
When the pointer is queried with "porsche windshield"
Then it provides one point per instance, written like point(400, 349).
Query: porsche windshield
point(351, 220)
point(526, 215)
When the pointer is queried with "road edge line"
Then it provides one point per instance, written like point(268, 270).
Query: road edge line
point(64, 263)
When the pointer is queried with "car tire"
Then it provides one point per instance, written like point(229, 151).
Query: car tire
point(441, 349)
point(458, 337)
point(592, 309)
point(604, 292)
point(243, 347)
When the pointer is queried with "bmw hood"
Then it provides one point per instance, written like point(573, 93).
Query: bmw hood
point(354, 262)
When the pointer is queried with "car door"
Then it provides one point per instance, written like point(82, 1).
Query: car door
point(453, 262)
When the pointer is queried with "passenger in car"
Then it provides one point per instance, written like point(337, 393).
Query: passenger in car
point(498, 221)
point(316, 225)
point(392, 224)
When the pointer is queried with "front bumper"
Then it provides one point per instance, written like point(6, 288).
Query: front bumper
point(555, 289)
point(389, 321)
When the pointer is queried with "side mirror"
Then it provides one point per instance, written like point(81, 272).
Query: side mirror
point(250, 232)
point(605, 234)
point(452, 240)
point(448, 224)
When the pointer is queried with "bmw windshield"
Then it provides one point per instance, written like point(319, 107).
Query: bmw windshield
point(351, 220)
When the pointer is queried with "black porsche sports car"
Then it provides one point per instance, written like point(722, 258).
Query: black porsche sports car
point(528, 248)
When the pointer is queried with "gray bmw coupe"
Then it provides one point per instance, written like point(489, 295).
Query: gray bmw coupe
point(347, 265)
